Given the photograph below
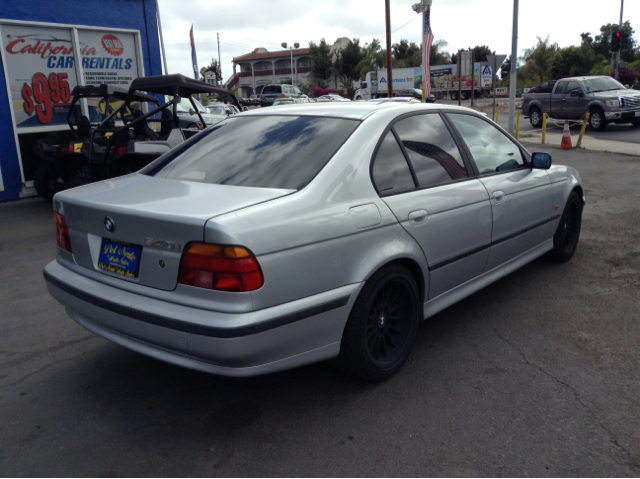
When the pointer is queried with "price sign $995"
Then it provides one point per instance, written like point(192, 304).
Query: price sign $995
point(43, 93)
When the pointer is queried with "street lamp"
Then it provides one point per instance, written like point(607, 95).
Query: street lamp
point(423, 7)
point(295, 45)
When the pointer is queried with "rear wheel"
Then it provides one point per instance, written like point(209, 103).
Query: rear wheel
point(81, 176)
point(44, 181)
point(465, 95)
point(565, 241)
point(382, 325)
point(535, 117)
point(454, 95)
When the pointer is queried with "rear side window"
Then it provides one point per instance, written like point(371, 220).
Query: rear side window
point(272, 89)
point(433, 154)
point(264, 151)
point(391, 173)
point(560, 88)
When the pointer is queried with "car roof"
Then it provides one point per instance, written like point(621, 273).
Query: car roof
point(356, 110)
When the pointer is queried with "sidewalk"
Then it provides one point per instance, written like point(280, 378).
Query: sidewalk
point(554, 139)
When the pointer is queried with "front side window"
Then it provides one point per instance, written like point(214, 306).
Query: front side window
point(491, 149)
point(391, 173)
point(433, 153)
point(572, 87)
point(284, 152)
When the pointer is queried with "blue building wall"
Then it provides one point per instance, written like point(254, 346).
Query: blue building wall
point(128, 14)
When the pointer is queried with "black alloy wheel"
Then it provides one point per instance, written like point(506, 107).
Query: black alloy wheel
point(382, 325)
point(565, 240)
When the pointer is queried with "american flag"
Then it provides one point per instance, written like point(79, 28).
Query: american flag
point(427, 41)
point(194, 60)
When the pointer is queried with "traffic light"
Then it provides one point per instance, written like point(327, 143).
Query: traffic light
point(616, 40)
point(624, 42)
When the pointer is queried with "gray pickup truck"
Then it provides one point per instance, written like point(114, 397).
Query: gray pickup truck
point(607, 100)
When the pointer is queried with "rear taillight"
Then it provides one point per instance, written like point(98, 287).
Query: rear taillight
point(220, 267)
point(121, 150)
point(64, 149)
point(62, 233)
point(283, 96)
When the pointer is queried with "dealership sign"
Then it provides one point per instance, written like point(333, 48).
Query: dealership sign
point(41, 67)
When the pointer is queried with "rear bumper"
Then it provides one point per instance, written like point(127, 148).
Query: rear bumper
point(244, 344)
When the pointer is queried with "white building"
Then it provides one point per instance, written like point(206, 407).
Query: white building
point(252, 71)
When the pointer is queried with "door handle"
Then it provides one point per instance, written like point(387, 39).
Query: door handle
point(418, 217)
point(498, 196)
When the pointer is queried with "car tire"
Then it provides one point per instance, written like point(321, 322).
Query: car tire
point(597, 120)
point(81, 176)
point(358, 98)
point(382, 325)
point(44, 182)
point(453, 95)
point(565, 240)
point(535, 117)
point(465, 95)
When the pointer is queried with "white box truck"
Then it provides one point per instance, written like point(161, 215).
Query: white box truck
point(444, 82)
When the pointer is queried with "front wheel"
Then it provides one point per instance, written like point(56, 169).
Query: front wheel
point(565, 240)
point(382, 325)
point(597, 120)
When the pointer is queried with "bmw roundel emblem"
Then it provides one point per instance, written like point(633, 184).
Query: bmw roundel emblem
point(109, 224)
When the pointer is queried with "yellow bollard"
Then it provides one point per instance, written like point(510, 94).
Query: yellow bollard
point(584, 127)
point(544, 128)
point(497, 115)
point(518, 125)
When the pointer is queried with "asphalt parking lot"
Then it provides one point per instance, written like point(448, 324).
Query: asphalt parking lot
point(536, 375)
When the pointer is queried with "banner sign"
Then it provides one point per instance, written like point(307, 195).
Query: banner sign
point(40, 64)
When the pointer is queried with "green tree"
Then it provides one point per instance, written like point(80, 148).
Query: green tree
point(350, 56)
point(213, 67)
point(480, 53)
point(539, 58)
point(574, 61)
point(321, 64)
point(405, 54)
point(374, 58)
point(438, 54)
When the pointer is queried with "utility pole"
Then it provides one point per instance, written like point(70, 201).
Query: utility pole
point(219, 64)
point(618, 52)
point(389, 74)
point(513, 83)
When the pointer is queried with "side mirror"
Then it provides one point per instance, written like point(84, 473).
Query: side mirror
point(627, 87)
point(541, 161)
point(577, 93)
point(192, 111)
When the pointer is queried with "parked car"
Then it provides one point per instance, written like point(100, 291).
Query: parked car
point(332, 97)
point(272, 92)
point(217, 109)
point(397, 100)
point(288, 101)
point(415, 93)
point(606, 100)
point(287, 236)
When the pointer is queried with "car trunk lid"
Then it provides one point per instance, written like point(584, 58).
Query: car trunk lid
point(152, 219)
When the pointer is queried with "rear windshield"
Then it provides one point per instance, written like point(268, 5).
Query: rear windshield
point(272, 89)
point(264, 151)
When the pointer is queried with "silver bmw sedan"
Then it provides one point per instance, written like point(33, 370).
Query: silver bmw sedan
point(277, 238)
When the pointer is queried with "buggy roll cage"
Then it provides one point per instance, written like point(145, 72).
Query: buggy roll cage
point(175, 85)
point(103, 91)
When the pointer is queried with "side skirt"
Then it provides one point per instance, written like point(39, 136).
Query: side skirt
point(466, 289)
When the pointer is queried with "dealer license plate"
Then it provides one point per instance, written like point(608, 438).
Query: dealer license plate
point(77, 147)
point(120, 258)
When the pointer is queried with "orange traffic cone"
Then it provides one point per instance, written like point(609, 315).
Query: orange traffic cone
point(566, 136)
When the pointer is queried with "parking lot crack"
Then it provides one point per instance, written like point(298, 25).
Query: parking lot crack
point(576, 395)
